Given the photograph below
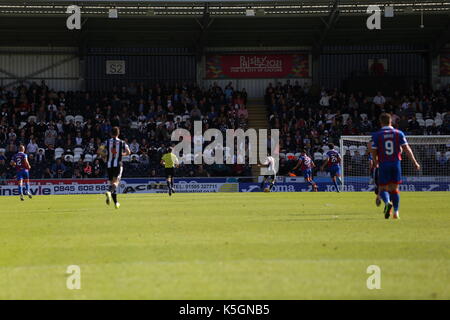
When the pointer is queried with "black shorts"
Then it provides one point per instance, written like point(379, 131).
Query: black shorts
point(114, 173)
point(170, 172)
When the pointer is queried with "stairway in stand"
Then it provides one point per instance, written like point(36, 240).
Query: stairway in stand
point(257, 119)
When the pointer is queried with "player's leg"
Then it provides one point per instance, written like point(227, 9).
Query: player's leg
point(27, 185)
point(263, 182)
point(20, 186)
point(108, 193)
point(172, 180)
point(115, 187)
point(385, 177)
point(272, 182)
point(169, 180)
point(394, 189)
point(377, 187)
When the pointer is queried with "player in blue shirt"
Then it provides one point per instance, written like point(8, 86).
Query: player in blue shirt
point(20, 162)
point(332, 160)
point(387, 147)
point(306, 164)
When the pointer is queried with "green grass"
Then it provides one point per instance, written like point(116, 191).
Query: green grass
point(225, 246)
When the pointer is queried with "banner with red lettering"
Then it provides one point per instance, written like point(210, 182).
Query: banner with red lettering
point(257, 66)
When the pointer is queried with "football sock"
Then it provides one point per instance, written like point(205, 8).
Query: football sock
point(384, 195)
point(114, 196)
point(27, 187)
point(271, 185)
point(168, 184)
point(171, 183)
point(395, 196)
point(339, 180)
point(335, 184)
point(20, 190)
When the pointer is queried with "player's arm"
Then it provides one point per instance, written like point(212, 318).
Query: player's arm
point(27, 164)
point(313, 164)
point(407, 149)
point(12, 163)
point(176, 162)
point(297, 165)
point(127, 151)
point(162, 162)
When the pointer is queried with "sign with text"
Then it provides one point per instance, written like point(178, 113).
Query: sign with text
point(115, 66)
point(257, 66)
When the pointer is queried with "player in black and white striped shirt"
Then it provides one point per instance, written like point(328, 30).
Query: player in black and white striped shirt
point(112, 151)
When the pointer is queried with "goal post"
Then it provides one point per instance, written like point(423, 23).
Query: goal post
point(432, 152)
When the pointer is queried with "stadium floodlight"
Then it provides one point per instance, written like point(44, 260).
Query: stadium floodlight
point(113, 13)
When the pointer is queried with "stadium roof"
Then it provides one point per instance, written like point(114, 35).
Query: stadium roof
point(222, 23)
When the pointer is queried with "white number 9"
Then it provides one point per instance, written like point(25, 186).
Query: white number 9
point(389, 146)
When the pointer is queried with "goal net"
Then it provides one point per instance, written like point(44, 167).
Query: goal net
point(432, 152)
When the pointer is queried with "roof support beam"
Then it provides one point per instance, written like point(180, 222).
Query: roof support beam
point(204, 23)
point(329, 24)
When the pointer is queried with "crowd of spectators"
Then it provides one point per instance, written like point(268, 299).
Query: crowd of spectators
point(310, 118)
point(62, 130)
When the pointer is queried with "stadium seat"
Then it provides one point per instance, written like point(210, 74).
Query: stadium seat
point(282, 155)
point(362, 150)
point(134, 125)
point(325, 149)
point(69, 158)
point(2, 150)
point(318, 156)
point(88, 158)
point(438, 155)
point(364, 116)
point(69, 118)
point(290, 156)
point(421, 122)
point(352, 150)
point(345, 117)
point(419, 115)
point(79, 119)
point(297, 155)
point(186, 117)
point(429, 122)
point(126, 158)
point(447, 155)
point(22, 124)
point(438, 116)
point(438, 122)
point(345, 150)
point(34, 118)
point(78, 151)
point(58, 152)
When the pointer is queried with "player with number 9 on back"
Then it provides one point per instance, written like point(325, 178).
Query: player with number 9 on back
point(387, 147)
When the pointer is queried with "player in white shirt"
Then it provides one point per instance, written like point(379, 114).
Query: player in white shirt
point(270, 173)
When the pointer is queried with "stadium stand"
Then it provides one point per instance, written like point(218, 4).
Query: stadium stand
point(311, 118)
point(62, 130)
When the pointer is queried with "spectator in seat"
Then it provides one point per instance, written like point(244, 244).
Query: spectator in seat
point(379, 100)
point(58, 169)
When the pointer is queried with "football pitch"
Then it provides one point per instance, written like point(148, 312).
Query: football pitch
point(225, 246)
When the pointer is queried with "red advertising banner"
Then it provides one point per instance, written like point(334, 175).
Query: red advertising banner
point(257, 66)
point(445, 64)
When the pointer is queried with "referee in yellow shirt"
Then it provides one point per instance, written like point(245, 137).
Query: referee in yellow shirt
point(170, 161)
